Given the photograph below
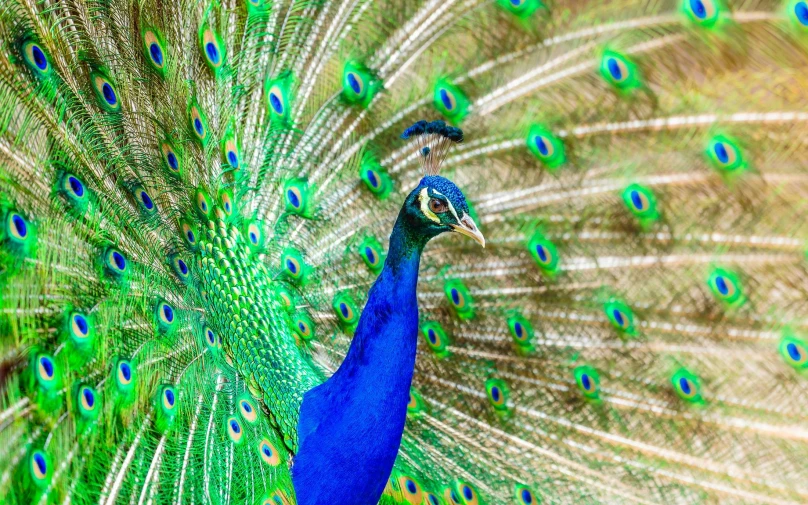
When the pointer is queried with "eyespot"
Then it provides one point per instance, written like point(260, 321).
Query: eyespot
point(18, 228)
point(170, 158)
point(234, 430)
point(303, 327)
point(724, 154)
point(247, 410)
point(105, 92)
point(725, 286)
point(39, 465)
point(180, 268)
point(524, 495)
point(209, 337)
point(373, 178)
point(165, 316)
point(436, 338)
point(293, 197)
point(619, 71)
point(80, 329)
point(292, 266)
point(497, 391)
point(124, 375)
point(231, 154)
point(800, 13)
point(154, 49)
point(88, 401)
point(189, 234)
point(254, 235)
point(226, 201)
point(46, 372)
point(371, 256)
point(213, 49)
point(703, 12)
point(588, 381)
point(36, 58)
point(115, 262)
point(457, 298)
point(466, 493)
point(144, 201)
point(640, 201)
point(345, 312)
point(544, 253)
point(268, 453)
point(431, 499)
point(276, 101)
point(410, 490)
point(198, 123)
point(284, 296)
point(447, 99)
point(620, 315)
point(451, 496)
point(687, 386)
point(353, 85)
point(202, 203)
point(168, 398)
point(794, 352)
point(74, 190)
point(521, 330)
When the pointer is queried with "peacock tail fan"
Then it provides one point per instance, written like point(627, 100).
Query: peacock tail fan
point(195, 198)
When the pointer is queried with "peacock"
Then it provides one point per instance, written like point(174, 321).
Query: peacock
point(425, 252)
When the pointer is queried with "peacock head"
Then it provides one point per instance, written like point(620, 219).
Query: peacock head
point(437, 205)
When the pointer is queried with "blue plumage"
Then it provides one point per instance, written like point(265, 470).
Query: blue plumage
point(350, 427)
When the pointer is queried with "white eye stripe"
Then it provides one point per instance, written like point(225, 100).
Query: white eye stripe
point(452, 210)
point(423, 199)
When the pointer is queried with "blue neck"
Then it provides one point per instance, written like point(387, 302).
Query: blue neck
point(350, 427)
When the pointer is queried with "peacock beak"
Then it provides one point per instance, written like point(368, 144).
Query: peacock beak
point(468, 228)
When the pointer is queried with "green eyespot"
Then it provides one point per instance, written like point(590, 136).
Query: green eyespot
point(247, 409)
point(292, 265)
point(36, 58)
point(89, 402)
point(521, 331)
point(213, 48)
point(154, 49)
point(268, 453)
point(621, 316)
point(375, 177)
point(39, 468)
point(459, 298)
point(497, 391)
point(726, 287)
point(234, 430)
point(619, 71)
point(524, 495)
point(166, 316)
point(47, 373)
point(372, 254)
point(588, 381)
point(450, 101)
point(436, 338)
point(278, 94)
point(794, 351)
point(254, 234)
point(347, 312)
point(75, 192)
point(190, 235)
point(544, 253)
point(18, 233)
point(198, 123)
point(705, 13)
point(116, 265)
point(303, 327)
point(106, 93)
point(687, 386)
point(725, 155)
point(171, 158)
point(641, 202)
point(297, 195)
point(359, 85)
point(231, 153)
point(80, 330)
point(546, 147)
point(124, 374)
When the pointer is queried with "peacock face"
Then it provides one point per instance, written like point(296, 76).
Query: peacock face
point(438, 206)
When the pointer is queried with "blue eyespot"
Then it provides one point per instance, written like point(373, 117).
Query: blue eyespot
point(198, 126)
point(615, 70)
point(156, 53)
point(354, 83)
point(455, 297)
point(81, 323)
point(39, 57)
point(172, 161)
point(119, 260)
point(527, 497)
point(698, 9)
point(467, 493)
point(432, 336)
point(126, 371)
point(495, 395)
point(518, 330)
point(20, 227)
point(168, 313)
point(801, 11)
point(253, 238)
point(374, 181)
point(721, 152)
point(147, 201)
point(370, 255)
point(76, 186)
point(294, 199)
point(411, 487)
point(344, 310)
point(232, 158)
point(109, 94)
point(47, 366)
point(721, 285)
point(447, 99)
point(213, 52)
point(291, 265)
point(169, 396)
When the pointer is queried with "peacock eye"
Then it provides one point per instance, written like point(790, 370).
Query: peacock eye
point(437, 206)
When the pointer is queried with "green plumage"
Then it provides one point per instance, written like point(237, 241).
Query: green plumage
point(196, 197)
